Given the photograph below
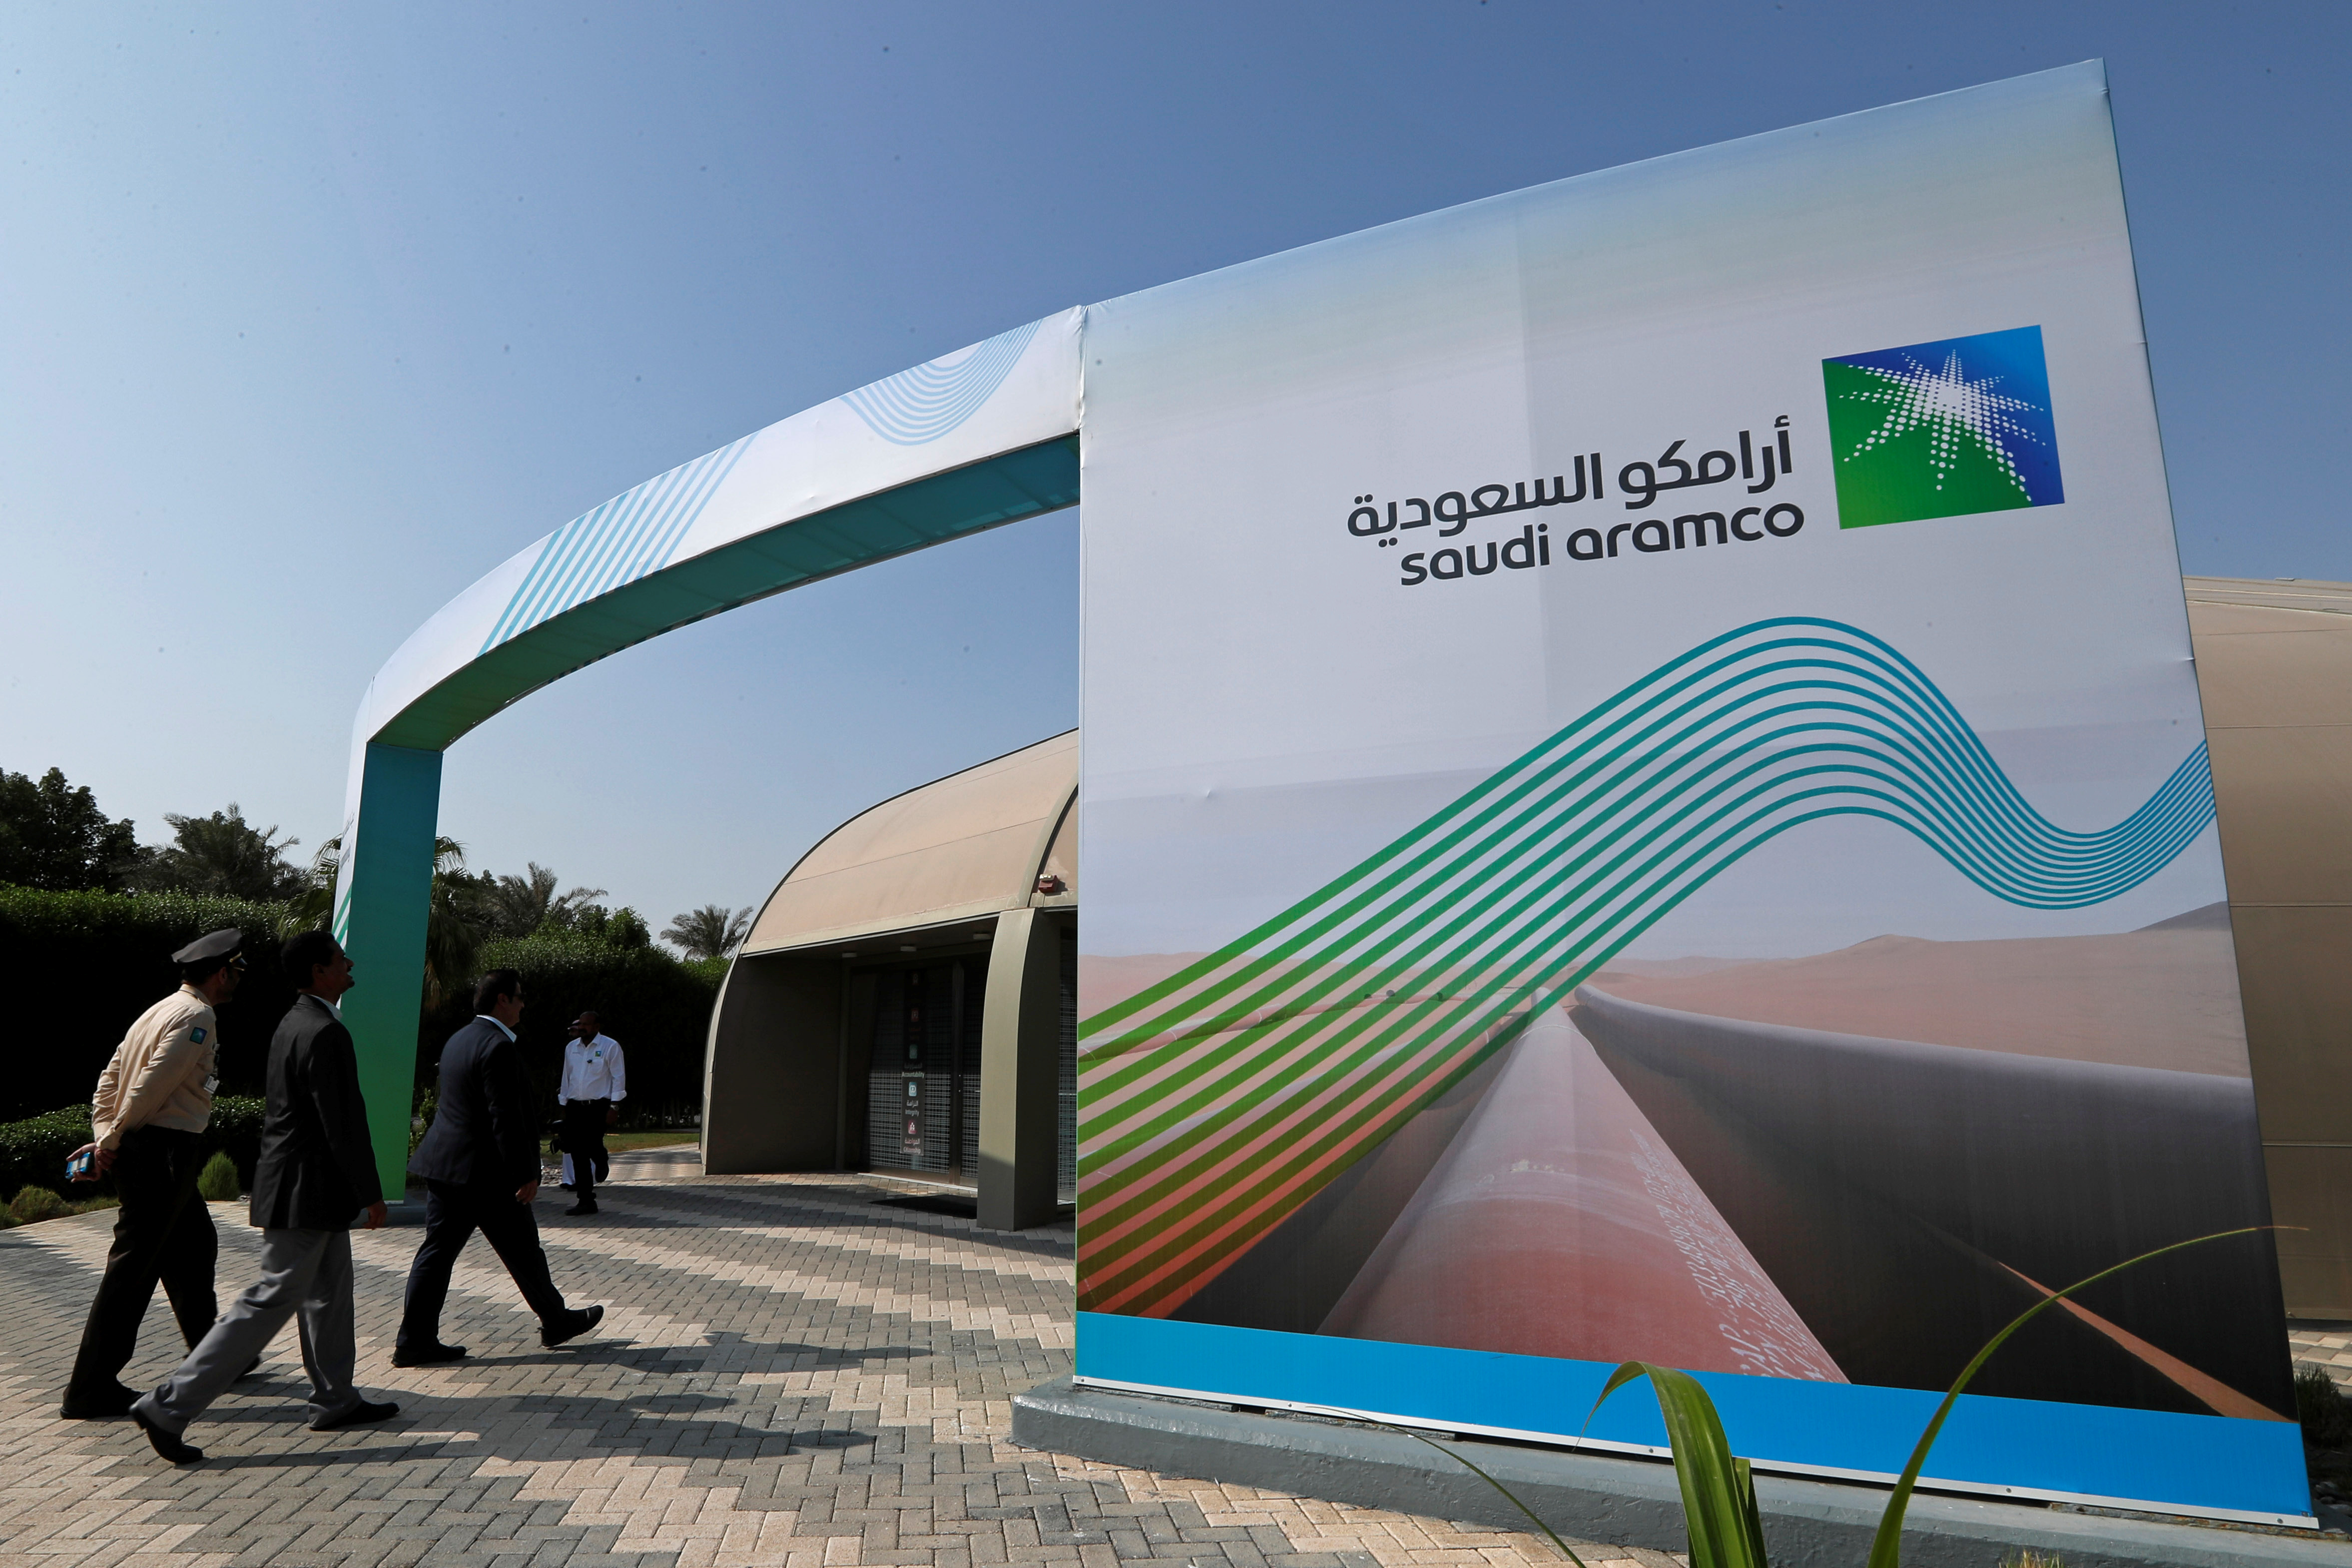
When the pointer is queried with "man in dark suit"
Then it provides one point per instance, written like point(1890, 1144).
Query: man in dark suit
point(480, 1164)
point(316, 1175)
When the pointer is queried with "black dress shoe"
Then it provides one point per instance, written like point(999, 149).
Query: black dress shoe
point(167, 1444)
point(358, 1414)
point(571, 1326)
point(581, 1208)
point(427, 1355)
point(104, 1405)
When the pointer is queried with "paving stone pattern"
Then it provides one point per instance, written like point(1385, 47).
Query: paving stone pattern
point(787, 1374)
point(2324, 1345)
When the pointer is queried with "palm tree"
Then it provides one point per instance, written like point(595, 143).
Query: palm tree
point(313, 907)
point(712, 931)
point(518, 905)
point(221, 855)
point(453, 926)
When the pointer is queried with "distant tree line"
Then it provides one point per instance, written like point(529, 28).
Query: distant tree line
point(94, 913)
point(54, 837)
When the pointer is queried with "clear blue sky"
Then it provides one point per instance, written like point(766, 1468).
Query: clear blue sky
point(313, 314)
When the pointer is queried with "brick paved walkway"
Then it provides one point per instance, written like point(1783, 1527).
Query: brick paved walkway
point(787, 1374)
point(2327, 1346)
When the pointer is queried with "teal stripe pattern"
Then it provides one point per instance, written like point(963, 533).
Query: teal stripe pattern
point(1215, 1103)
point(629, 536)
point(917, 407)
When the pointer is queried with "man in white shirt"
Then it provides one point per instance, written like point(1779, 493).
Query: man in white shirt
point(595, 1080)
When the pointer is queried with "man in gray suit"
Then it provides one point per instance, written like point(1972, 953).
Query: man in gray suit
point(316, 1174)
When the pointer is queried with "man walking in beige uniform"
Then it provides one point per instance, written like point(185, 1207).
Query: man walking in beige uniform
point(152, 1103)
point(316, 1177)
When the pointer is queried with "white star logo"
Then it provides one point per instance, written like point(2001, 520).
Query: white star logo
point(1954, 409)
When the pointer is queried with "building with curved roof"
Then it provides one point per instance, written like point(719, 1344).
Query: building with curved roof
point(906, 999)
point(2275, 669)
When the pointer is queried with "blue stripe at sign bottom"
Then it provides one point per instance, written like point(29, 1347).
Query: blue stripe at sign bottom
point(2210, 1465)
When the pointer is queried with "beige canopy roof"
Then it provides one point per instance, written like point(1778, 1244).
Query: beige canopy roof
point(2275, 666)
point(969, 845)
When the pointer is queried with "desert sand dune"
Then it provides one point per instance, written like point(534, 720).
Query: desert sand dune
point(1106, 982)
point(2158, 998)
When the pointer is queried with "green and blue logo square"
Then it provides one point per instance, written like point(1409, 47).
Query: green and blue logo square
point(1943, 429)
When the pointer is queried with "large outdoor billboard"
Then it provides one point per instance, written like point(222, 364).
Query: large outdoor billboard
point(1644, 798)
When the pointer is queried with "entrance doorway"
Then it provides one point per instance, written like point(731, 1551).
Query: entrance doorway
point(1066, 1096)
point(922, 1095)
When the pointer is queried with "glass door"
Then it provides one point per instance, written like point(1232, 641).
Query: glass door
point(923, 1076)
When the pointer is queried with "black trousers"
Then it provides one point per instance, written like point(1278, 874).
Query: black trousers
point(162, 1234)
point(452, 1214)
point(583, 1140)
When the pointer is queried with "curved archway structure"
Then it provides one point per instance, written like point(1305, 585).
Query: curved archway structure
point(968, 442)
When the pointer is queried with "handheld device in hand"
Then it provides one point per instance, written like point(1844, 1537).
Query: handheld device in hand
point(77, 1168)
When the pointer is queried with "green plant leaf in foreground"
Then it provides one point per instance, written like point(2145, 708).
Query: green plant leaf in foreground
point(1886, 1547)
point(1549, 1534)
point(1719, 1511)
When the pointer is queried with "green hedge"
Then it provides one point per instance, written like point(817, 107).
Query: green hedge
point(104, 958)
point(33, 1151)
point(100, 959)
point(657, 1007)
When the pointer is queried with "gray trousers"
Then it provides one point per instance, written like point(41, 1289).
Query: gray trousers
point(305, 1274)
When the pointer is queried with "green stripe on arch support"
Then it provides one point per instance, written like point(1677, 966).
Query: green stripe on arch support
point(1215, 1103)
point(382, 896)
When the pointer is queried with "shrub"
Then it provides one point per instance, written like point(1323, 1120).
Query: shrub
point(2325, 1414)
point(217, 1181)
point(236, 1131)
point(34, 1150)
point(34, 1204)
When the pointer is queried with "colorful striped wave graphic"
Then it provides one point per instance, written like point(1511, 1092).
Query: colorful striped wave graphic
point(923, 405)
point(1214, 1103)
point(622, 540)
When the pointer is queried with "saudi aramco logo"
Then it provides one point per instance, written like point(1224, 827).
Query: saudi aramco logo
point(1942, 430)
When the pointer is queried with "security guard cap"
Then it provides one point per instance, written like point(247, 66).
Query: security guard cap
point(215, 947)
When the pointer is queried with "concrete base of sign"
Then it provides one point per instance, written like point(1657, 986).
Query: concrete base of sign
point(1613, 1500)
